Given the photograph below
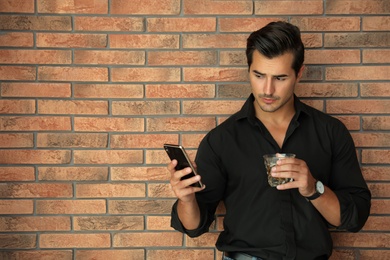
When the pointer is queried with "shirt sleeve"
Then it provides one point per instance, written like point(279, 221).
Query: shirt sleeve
point(209, 167)
point(348, 183)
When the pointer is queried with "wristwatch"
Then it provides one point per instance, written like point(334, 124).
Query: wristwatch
point(320, 189)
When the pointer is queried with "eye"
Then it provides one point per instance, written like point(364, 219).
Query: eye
point(281, 78)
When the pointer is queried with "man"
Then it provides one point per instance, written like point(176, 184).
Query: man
point(290, 221)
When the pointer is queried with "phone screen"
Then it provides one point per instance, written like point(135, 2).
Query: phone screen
point(177, 152)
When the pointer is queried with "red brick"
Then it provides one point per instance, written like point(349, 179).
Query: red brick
point(108, 91)
point(379, 190)
point(144, 41)
point(16, 39)
point(145, 74)
point(109, 57)
point(180, 124)
point(365, 39)
point(72, 140)
point(140, 206)
point(145, 107)
point(376, 56)
point(148, 239)
point(34, 156)
point(376, 123)
point(376, 23)
point(165, 7)
point(380, 206)
point(95, 240)
point(228, 90)
point(18, 241)
point(326, 23)
point(16, 140)
point(38, 255)
point(374, 254)
point(351, 122)
point(78, 6)
point(61, 207)
point(196, 41)
point(312, 40)
point(29, 89)
point(358, 73)
point(141, 140)
point(215, 74)
point(18, 207)
point(108, 124)
point(182, 58)
point(177, 254)
point(207, 240)
point(139, 174)
point(158, 223)
point(118, 223)
point(39, 23)
point(317, 104)
point(12, 106)
point(339, 254)
point(73, 173)
point(26, 6)
point(376, 173)
point(232, 58)
point(197, 24)
point(222, 107)
point(116, 24)
point(270, 7)
point(110, 254)
point(35, 57)
point(75, 107)
point(357, 106)
point(36, 190)
point(191, 140)
point(160, 190)
point(357, 7)
point(29, 224)
point(17, 73)
point(376, 156)
point(327, 90)
point(72, 74)
point(111, 190)
point(108, 157)
point(160, 157)
point(244, 24)
point(217, 7)
point(360, 239)
point(71, 40)
point(180, 91)
point(17, 174)
point(332, 56)
point(34, 123)
point(378, 223)
point(371, 139)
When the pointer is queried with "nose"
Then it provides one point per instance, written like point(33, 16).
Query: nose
point(268, 87)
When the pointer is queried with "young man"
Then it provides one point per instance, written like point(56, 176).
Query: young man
point(290, 221)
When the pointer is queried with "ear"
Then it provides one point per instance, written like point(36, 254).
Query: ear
point(300, 73)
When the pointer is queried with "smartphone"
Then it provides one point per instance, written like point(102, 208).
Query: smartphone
point(178, 153)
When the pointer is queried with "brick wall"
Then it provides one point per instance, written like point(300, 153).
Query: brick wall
point(91, 89)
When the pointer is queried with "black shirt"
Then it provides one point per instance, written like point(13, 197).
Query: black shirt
point(263, 221)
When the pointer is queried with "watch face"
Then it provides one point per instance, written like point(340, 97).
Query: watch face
point(320, 187)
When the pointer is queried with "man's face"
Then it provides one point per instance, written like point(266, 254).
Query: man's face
point(273, 81)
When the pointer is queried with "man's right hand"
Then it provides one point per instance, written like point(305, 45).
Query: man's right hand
point(182, 188)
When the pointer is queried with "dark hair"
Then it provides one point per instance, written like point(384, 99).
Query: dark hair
point(275, 39)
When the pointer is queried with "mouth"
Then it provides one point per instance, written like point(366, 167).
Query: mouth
point(269, 100)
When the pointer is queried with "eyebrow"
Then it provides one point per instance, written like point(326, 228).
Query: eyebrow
point(276, 76)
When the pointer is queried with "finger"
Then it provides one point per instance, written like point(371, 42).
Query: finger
point(171, 166)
